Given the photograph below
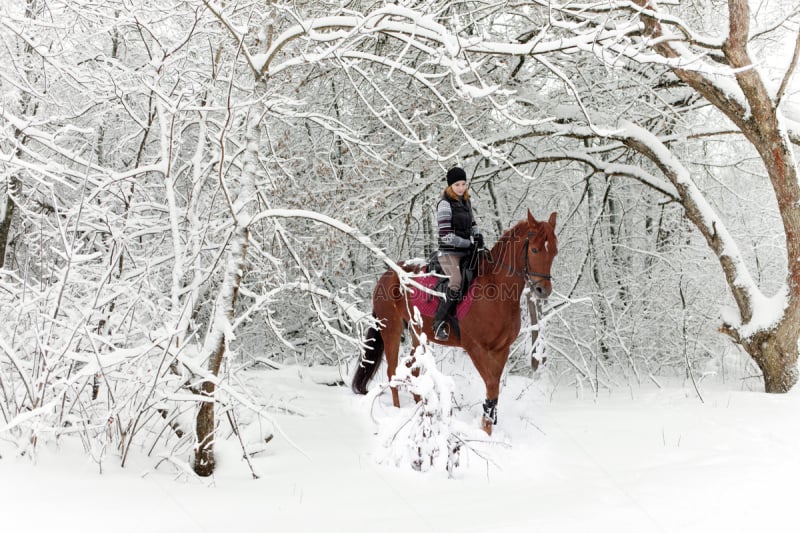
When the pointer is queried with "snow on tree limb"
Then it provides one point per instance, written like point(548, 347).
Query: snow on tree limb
point(406, 278)
point(712, 80)
point(745, 291)
point(416, 28)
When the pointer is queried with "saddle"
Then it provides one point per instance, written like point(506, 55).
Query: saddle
point(469, 271)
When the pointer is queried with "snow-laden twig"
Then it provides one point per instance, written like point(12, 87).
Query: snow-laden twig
point(406, 278)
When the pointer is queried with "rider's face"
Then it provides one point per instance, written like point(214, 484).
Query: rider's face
point(459, 187)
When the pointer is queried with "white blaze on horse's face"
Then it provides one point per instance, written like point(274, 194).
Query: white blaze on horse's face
point(542, 249)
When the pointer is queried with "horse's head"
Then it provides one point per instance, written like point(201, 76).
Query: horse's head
point(541, 249)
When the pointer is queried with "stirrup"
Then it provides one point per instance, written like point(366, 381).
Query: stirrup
point(441, 333)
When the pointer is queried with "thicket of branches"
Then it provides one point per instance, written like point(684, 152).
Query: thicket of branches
point(193, 188)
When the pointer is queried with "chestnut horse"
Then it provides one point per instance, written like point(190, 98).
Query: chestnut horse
point(523, 255)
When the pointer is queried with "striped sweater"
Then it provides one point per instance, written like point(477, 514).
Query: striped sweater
point(456, 225)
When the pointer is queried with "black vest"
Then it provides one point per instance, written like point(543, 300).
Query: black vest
point(461, 220)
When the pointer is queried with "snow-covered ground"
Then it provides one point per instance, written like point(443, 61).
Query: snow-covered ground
point(641, 459)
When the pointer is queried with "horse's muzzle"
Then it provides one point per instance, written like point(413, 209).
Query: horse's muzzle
point(542, 290)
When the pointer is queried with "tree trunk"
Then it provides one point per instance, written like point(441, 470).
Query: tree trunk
point(775, 352)
point(204, 462)
point(215, 343)
point(226, 303)
point(6, 215)
point(596, 259)
point(535, 312)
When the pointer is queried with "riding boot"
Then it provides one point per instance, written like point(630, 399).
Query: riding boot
point(443, 310)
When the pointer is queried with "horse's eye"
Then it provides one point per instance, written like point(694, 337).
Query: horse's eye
point(534, 250)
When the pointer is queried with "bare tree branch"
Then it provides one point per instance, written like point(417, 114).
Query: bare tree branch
point(789, 71)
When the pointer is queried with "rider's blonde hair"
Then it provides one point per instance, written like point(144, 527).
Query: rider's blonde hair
point(452, 194)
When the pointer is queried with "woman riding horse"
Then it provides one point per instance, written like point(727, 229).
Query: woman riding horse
point(457, 224)
point(521, 257)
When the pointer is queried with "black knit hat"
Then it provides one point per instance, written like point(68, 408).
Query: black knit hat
point(456, 174)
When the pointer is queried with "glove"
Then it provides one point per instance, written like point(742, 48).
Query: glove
point(479, 241)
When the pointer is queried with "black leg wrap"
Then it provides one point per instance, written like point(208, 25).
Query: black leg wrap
point(490, 410)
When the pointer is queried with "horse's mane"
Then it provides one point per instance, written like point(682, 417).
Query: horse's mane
point(519, 231)
point(505, 244)
point(513, 233)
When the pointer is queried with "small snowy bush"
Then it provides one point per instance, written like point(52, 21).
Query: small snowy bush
point(426, 440)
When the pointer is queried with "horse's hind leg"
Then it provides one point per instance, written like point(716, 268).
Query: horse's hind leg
point(393, 358)
point(415, 342)
point(391, 338)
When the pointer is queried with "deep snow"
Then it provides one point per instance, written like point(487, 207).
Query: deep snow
point(641, 459)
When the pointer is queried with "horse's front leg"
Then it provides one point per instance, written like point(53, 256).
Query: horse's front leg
point(489, 415)
point(491, 369)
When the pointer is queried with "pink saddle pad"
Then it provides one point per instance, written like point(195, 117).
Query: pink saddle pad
point(427, 303)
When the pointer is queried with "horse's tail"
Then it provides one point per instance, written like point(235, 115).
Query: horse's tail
point(369, 361)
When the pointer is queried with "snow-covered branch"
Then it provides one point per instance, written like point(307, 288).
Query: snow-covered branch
point(406, 278)
point(745, 291)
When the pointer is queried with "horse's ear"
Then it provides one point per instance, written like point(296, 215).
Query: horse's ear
point(552, 220)
point(531, 221)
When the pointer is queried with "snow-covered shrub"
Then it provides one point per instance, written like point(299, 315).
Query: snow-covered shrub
point(426, 441)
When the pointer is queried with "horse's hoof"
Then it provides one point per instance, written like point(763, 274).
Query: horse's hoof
point(486, 425)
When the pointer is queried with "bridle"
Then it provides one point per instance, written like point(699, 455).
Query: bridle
point(526, 274)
